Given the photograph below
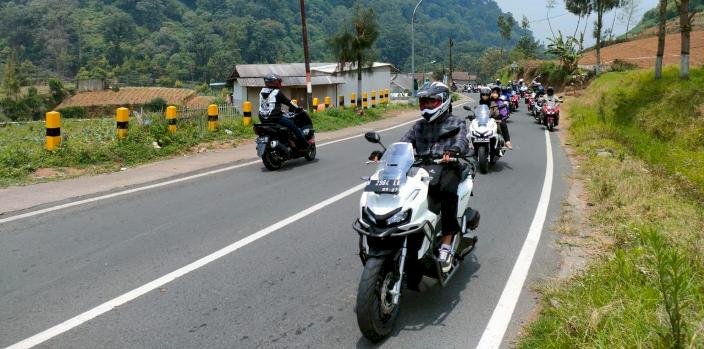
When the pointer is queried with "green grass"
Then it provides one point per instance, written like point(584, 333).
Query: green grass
point(647, 289)
point(91, 146)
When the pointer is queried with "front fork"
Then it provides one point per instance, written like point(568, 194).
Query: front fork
point(396, 290)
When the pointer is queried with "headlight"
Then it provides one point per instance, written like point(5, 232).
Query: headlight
point(273, 144)
point(399, 217)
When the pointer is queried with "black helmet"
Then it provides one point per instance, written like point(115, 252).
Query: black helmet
point(272, 80)
point(434, 100)
point(550, 91)
point(497, 82)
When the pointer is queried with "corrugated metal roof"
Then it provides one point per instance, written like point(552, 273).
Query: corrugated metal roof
point(331, 68)
point(293, 81)
point(283, 70)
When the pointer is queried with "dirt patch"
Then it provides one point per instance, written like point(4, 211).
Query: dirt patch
point(642, 51)
point(577, 242)
point(50, 172)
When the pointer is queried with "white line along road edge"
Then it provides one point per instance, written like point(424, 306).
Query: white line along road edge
point(139, 291)
point(495, 330)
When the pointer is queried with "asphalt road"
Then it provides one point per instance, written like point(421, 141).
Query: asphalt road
point(293, 288)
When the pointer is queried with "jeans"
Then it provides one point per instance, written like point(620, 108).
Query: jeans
point(445, 192)
point(284, 121)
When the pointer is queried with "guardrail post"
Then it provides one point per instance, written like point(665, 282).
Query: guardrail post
point(364, 100)
point(386, 95)
point(341, 102)
point(247, 113)
point(213, 118)
point(327, 102)
point(53, 130)
point(316, 101)
point(373, 98)
point(353, 100)
point(171, 118)
point(122, 118)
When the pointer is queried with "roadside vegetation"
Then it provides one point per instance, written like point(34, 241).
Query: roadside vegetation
point(91, 146)
point(639, 144)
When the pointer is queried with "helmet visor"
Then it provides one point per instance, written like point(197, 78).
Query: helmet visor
point(429, 103)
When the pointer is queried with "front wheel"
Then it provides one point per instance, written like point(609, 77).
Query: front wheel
point(310, 155)
point(376, 313)
point(483, 158)
point(270, 161)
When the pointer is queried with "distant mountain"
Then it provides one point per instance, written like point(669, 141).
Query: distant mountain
point(199, 40)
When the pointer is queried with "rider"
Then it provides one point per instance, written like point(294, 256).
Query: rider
point(484, 96)
point(270, 100)
point(495, 103)
point(434, 101)
point(550, 97)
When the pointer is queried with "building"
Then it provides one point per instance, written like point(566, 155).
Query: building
point(327, 80)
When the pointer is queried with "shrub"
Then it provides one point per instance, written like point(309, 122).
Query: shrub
point(74, 113)
point(156, 105)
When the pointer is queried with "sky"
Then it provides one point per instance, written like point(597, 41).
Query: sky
point(563, 20)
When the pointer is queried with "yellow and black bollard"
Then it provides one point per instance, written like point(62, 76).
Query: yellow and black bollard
point(53, 130)
point(364, 100)
point(246, 113)
point(341, 102)
point(327, 102)
point(213, 118)
point(122, 116)
point(315, 103)
point(386, 95)
point(373, 98)
point(353, 100)
point(171, 118)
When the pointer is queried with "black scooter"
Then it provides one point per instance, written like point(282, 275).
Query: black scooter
point(277, 144)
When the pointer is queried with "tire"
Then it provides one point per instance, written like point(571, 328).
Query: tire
point(375, 323)
point(550, 126)
point(483, 158)
point(310, 155)
point(271, 163)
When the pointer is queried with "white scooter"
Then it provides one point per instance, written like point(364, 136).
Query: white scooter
point(483, 134)
point(399, 232)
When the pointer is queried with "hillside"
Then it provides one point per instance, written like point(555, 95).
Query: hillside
point(167, 40)
point(650, 18)
point(642, 51)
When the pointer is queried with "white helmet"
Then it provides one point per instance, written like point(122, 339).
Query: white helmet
point(434, 100)
point(520, 80)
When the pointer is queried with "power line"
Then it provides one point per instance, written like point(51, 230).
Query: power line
point(547, 18)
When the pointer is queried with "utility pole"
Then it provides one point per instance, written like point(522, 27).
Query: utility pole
point(413, 48)
point(309, 86)
point(451, 81)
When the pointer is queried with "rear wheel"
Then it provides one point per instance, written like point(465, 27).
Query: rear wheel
point(376, 313)
point(483, 158)
point(271, 162)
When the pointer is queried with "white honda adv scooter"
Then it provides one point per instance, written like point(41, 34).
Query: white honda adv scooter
point(400, 228)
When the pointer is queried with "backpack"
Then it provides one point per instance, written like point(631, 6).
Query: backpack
point(267, 102)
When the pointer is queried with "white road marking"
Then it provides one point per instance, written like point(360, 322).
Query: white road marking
point(496, 328)
point(139, 291)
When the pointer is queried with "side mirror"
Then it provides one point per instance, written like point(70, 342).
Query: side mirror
point(466, 107)
point(372, 137)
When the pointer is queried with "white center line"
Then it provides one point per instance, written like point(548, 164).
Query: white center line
point(139, 291)
point(496, 328)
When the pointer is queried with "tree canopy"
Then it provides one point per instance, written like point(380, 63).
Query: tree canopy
point(162, 41)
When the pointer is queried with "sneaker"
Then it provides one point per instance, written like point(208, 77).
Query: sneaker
point(445, 258)
point(508, 145)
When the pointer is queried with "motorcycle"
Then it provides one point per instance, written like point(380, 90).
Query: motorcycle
point(550, 115)
point(399, 232)
point(530, 97)
point(536, 108)
point(484, 136)
point(277, 144)
point(514, 101)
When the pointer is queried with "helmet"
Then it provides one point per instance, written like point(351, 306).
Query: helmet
point(484, 91)
point(510, 82)
point(272, 80)
point(550, 91)
point(434, 100)
point(520, 80)
point(498, 82)
point(503, 98)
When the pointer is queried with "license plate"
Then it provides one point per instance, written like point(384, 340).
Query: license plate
point(481, 140)
point(384, 186)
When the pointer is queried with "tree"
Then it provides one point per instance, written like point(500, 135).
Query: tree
point(505, 24)
point(662, 22)
point(628, 11)
point(566, 49)
point(526, 46)
point(550, 4)
point(600, 7)
point(583, 10)
point(686, 18)
point(353, 44)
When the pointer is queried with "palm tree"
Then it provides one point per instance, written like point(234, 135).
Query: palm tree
point(354, 43)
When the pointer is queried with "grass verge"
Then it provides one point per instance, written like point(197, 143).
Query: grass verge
point(91, 146)
point(638, 143)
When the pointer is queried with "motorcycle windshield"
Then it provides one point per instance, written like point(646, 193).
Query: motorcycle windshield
point(396, 162)
point(481, 113)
